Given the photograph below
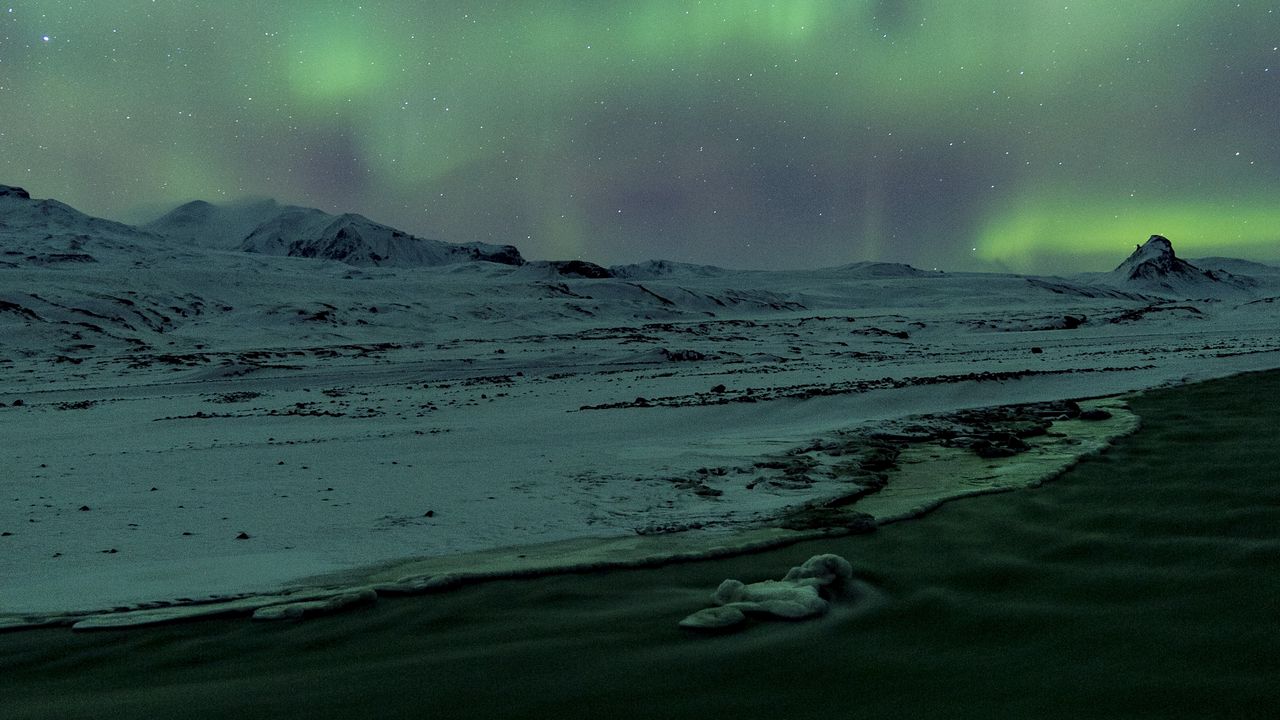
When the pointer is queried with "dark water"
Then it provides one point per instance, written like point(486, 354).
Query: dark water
point(1145, 583)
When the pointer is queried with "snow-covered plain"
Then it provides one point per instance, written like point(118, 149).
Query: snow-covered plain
point(185, 419)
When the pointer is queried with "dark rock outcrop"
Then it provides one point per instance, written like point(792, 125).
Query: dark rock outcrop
point(581, 268)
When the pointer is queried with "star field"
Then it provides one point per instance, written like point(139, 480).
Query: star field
point(1032, 136)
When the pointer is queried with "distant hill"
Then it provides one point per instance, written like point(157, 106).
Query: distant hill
point(47, 232)
point(884, 270)
point(1236, 266)
point(655, 269)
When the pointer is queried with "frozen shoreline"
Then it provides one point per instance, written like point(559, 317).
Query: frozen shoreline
point(913, 490)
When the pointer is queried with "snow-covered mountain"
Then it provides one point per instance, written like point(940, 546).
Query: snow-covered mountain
point(1154, 267)
point(268, 228)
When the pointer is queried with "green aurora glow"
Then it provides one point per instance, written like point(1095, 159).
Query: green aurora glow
point(986, 134)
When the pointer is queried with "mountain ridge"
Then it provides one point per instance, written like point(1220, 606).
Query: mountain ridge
point(268, 228)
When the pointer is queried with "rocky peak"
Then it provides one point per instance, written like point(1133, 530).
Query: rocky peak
point(14, 192)
point(1154, 267)
point(1154, 258)
point(1156, 246)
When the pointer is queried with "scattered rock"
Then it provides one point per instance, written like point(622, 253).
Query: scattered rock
point(77, 405)
point(429, 513)
point(1027, 428)
point(991, 451)
point(682, 355)
point(999, 445)
point(1095, 415)
point(84, 508)
point(815, 518)
point(234, 397)
point(243, 536)
point(880, 458)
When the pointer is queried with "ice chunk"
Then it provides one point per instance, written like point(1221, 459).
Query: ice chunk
point(714, 618)
point(804, 592)
point(824, 571)
point(298, 610)
point(753, 597)
point(796, 607)
point(729, 591)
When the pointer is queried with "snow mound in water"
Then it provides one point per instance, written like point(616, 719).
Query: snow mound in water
point(804, 592)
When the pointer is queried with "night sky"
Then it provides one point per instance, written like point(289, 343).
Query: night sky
point(983, 134)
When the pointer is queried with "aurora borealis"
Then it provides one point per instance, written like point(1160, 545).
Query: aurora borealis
point(988, 134)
